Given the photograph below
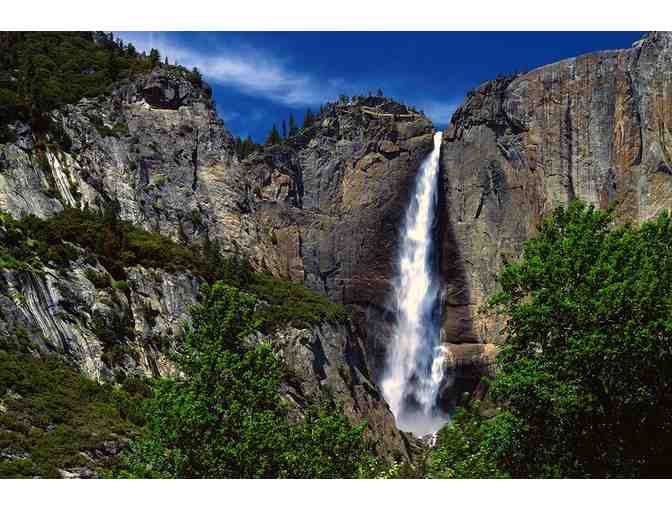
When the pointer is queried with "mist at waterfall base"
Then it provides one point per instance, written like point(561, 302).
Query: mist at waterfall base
point(415, 365)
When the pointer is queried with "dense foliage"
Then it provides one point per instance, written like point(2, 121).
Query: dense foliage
point(40, 71)
point(287, 302)
point(273, 137)
point(585, 375)
point(116, 244)
point(464, 448)
point(224, 417)
point(50, 413)
point(17, 249)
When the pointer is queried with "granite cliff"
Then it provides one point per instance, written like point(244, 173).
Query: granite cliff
point(595, 127)
point(154, 153)
point(323, 208)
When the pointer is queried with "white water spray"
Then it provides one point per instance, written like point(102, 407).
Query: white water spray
point(414, 371)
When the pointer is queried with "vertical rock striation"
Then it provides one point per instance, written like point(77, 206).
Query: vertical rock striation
point(596, 127)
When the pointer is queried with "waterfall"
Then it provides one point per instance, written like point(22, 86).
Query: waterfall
point(414, 371)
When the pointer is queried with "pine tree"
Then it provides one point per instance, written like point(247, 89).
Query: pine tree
point(112, 66)
point(154, 58)
point(273, 136)
point(308, 118)
point(248, 146)
point(195, 77)
point(293, 128)
point(284, 129)
point(244, 148)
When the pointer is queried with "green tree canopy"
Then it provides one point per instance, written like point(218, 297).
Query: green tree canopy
point(244, 147)
point(308, 118)
point(463, 448)
point(224, 417)
point(293, 128)
point(584, 376)
point(273, 137)
point(154, 58)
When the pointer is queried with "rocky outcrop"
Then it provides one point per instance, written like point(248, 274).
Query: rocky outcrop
point(328, 360)
point(103, 327)
point(331, 200)
point(153, 150)
point(321, 208)
point(112, 330)
point(595, 127)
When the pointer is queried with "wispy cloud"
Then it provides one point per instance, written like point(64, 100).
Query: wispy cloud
point(248, 70)
point(228, 116)
point(256, 72)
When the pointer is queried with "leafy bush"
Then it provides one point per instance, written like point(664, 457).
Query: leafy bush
point(288, 302)
point(17, 249)
point(465, 448)
point(121, 285)
point(100, 280)
point(584, 375)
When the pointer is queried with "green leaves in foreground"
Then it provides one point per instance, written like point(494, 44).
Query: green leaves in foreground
point(224, 418)
point(584, 376)
point(466, 447)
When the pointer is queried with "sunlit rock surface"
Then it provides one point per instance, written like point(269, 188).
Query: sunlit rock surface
point(595, 127)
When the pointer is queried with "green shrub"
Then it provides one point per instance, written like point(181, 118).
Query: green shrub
point(464, 448)
point(17, 249)
point(287, 302)
point(53, 413)
point(121, 285)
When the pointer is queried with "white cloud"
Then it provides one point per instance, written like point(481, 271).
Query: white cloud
point(248, 70)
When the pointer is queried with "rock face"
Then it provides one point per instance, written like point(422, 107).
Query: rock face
point(324, 208)
point(329, 356)
point(154, 151)
point(321, 208)
point(332, 198)
point(81, 316)
point(595, 127)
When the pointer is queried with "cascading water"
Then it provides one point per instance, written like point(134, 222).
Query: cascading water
point(414, 371)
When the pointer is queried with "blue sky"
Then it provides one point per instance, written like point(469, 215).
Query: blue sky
point(259, 78)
